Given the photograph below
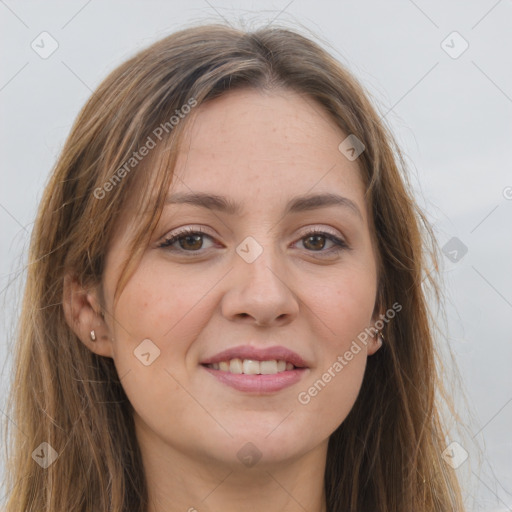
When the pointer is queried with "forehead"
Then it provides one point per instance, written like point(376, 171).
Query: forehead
point(264, 147)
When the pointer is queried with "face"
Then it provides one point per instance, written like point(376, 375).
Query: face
point(247, 315)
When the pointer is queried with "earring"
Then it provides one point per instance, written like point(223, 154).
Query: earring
point(93, 336)
point(380, 337)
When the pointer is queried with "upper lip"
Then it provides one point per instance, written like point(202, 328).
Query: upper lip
point(258, 354)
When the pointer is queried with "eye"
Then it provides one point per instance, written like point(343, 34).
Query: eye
point(316, 240)
point(189, 240)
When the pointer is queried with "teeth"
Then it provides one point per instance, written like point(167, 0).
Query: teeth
point(252, 367)
point(235, 366)
point(268, 367)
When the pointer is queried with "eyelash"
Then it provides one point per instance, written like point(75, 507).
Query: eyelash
point(339, 244)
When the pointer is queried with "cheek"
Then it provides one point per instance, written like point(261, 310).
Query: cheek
point(168, 311)
point(158, 305)
point(157, 319)
point(343, 307)
point(344, 303)
point(331, 393)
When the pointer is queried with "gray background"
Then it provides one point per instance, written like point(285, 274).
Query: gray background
point(450, 115)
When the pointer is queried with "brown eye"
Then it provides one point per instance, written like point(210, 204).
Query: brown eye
point(314, 242)
point(189, 240)
point(192, 242)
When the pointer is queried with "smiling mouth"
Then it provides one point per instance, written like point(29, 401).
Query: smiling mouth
point(252, 366)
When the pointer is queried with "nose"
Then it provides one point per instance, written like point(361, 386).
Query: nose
point(260, 292)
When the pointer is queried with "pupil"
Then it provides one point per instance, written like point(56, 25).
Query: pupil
point(317, 238)
point(196, 238)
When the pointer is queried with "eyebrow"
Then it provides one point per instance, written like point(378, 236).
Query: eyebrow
point(295, 205)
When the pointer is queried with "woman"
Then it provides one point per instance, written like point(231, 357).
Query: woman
point(224, 306)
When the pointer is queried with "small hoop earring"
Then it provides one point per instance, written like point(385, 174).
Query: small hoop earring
point(93, 336)
point(380, 337)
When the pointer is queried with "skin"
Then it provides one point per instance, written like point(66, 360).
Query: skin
point(259, 149)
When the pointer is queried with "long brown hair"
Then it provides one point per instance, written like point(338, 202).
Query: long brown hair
point(386, 455)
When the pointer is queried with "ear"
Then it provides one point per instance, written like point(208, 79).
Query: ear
point(83, 313)
point(375, 341)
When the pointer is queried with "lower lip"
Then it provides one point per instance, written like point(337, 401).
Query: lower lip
point(258, 383)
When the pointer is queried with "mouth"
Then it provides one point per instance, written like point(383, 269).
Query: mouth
point(257, 371)
point(252, 367)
